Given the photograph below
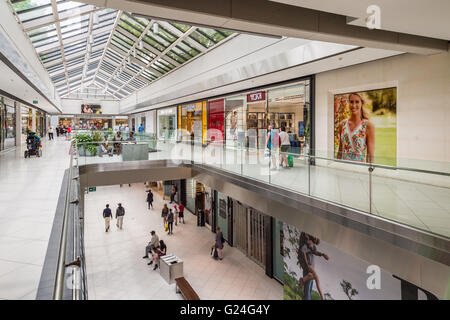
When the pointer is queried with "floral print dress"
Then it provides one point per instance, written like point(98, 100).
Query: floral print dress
point(354, 142)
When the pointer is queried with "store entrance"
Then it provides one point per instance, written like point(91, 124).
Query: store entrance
point(249, 227)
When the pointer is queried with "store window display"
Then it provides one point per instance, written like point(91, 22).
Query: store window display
point(167, 120)
point(235, 120)
point(191, 121)
point(289, 107)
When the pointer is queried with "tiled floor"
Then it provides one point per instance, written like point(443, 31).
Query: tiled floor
point(29, 190)
point(116, 270)
point(416, 204)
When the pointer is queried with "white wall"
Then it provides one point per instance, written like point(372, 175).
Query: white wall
point(423, 104)
point(73, 106)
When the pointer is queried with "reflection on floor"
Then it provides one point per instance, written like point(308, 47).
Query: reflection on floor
point(423, 206)
point(29, 190)
point(116, 270)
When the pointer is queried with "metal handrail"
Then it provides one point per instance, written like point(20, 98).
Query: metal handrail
point(61, 265)
point(58, 291)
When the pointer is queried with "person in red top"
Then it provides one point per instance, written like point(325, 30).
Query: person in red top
point(181, 212)
point(69, 131)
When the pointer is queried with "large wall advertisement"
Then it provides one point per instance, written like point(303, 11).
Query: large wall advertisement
point(365, 126)
point(315, 270)
point(91, 108)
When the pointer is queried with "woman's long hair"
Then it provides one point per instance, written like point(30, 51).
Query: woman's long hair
point(364, 113)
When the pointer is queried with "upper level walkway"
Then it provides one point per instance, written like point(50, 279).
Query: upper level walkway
point(415, 198)
point(29, 191)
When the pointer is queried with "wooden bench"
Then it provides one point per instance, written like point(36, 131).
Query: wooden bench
point(183, 287)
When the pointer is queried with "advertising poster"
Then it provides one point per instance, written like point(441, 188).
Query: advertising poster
point(315, 270)
point(91, 108)
point(365, 126)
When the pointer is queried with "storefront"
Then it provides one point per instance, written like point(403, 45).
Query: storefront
point(7, 126)
point(86, 123)
point(167, 123)
point(192, 122)
point(243, 119)
point(27, 121)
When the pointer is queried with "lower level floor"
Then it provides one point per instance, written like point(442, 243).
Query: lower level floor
point(116, 269)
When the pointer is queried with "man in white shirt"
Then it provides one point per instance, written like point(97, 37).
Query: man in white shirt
point(50, 133)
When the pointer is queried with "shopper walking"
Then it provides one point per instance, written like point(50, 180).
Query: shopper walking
point(175, 213)
point(219, 241)
point(164, 213)
point(181, 212)
point(170, 221)
point(285, 147)
point(50, 133)
point(107, 215)
point(120, 212)
point(152, 245)
point(150, 199)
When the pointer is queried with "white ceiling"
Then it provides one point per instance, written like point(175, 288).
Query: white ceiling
point(10, 82)
point(419, 17)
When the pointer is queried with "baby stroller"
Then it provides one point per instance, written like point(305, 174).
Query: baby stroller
point(34, 147)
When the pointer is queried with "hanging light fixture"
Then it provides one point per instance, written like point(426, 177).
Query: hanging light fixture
point(95, 18)
point(155, 28)
point(129, 59)
point(91, 38)
point(141, 45)
point(134, 52)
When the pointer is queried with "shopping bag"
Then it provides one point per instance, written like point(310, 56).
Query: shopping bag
point(290, 160)
point(166, 228)
point(216, 254)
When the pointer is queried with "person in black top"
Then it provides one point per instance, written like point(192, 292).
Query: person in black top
point(161, 250)
point(150, 199)
point(120, 212)
point(107, 215)
point(170, 221)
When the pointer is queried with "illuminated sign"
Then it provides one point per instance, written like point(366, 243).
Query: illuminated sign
point(256, 96)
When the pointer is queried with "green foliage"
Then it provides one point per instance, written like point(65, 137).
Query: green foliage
point(348, 289)
point(97, 137)
point(92, 149)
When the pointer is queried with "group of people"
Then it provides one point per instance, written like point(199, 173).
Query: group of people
point(172, 215)
point(276, 141)
point(60, 131)
point(116, 148)
point(107, 215)
point(157, 248)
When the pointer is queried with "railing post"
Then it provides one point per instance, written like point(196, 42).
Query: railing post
point(370, 188)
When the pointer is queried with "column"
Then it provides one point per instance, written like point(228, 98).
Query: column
point(34, 117)
point(18, 123)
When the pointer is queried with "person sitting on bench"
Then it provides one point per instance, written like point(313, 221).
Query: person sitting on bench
point(154, 242)
point(160, 251)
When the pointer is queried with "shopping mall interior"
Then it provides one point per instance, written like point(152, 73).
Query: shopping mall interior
point(224, 150)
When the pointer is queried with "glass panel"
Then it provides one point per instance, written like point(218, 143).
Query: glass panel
point(37, 13)
point(212, 34)
point(166, 64)
point(67, 5)
point(125, 17)
point(182, 27)
point(186, 47)
point(29, 4)
point(130, 29)
point(181, 53)
point(74, 33)
point(204, 41)
point(154, 44)
point(118, 45)
point(225, 32)
point(158, 68)
point(43, 42)
point(42, 32)
point(175, 57)
point(166, 34)
point(124, 38)
point(159, 39)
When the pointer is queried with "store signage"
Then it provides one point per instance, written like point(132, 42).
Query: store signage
point(166, 111)
point(92, 189)
point(256, 96)
point(35, 102)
